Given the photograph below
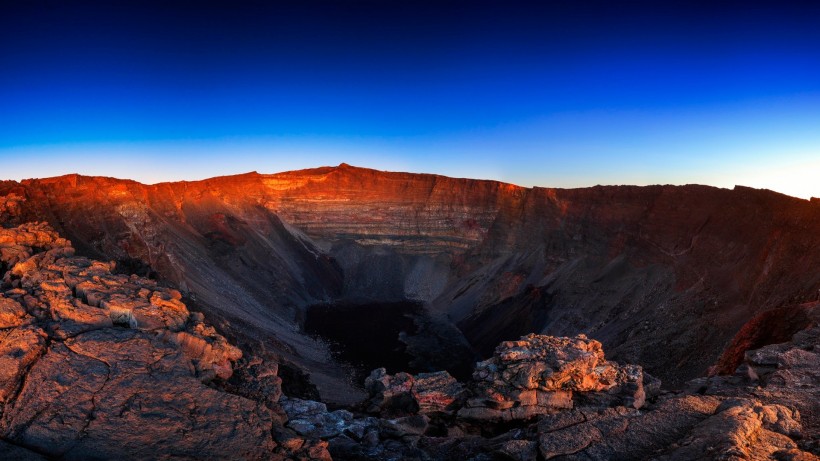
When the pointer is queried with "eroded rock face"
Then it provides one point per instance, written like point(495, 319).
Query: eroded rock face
point(532, 376)
point(597, 410)
point(541, 374)
point(403, 393)
point(95, 365)
point(10, 204)
point(786, 378)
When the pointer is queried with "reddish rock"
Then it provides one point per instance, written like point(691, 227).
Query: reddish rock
point(737, 431)
point(770, 327)
point(11, 313)
point(436, 392)
point(76, 378)
point(785, 377)
point(101, 384)
point(423, 393)
point(540, 374)
point(19, 348)
point(390, 393)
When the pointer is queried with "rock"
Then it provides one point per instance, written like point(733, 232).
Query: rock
point(257, 379)
point(19, 348)
point(568, 443)
point(614, 433)
point(402, 393)
point(316, 451)
point(541, 374)
point(784, 377)
point(11, 313)
point(87, 355)
point(311, 419)
point(69, 315)
point(780, 419)
point(343, 447)
point(359, 428)
point(519, 450)
point(211, 355)
point(736, 431)
point(82, 393)
point(436, 392)
point(405, 426)
point(10, 205)
point(30, 235)
point(390, 393)
point(651, 385)
point(292, 447)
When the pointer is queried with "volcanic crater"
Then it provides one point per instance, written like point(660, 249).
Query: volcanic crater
point(332, 272)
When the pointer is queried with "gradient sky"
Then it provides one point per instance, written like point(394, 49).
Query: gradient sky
point(562, 94)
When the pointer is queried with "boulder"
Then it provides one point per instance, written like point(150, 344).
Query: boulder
point(740, 429)
point(390, 393)
point(402, 393)
point(436, 392)
point(540, 374)
point(312, 420)
point(11, 313)
point(257, 379)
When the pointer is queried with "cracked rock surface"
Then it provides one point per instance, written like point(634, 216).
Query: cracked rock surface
point(95, 365)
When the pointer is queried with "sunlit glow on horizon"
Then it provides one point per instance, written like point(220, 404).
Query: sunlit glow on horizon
point(792, 173)
point(550, 94)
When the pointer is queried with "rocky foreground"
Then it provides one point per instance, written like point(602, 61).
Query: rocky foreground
point(95, 364)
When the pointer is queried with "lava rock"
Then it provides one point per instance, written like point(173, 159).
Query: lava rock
point(311, 419)
point(540, 374)
point(402, 393)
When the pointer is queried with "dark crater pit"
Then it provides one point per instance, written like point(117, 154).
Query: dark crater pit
point(367, 336)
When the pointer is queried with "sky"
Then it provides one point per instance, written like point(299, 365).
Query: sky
point(550, 93)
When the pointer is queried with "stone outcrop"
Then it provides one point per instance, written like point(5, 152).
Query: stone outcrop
point(95, 364)
point(533, 376)
point(676, 428)
point(785, 377)
point(573, 404)
point(542, 374)
point(403, 393)
point(10, 205)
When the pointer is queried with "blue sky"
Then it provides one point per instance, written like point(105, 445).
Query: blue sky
point(563, 94)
